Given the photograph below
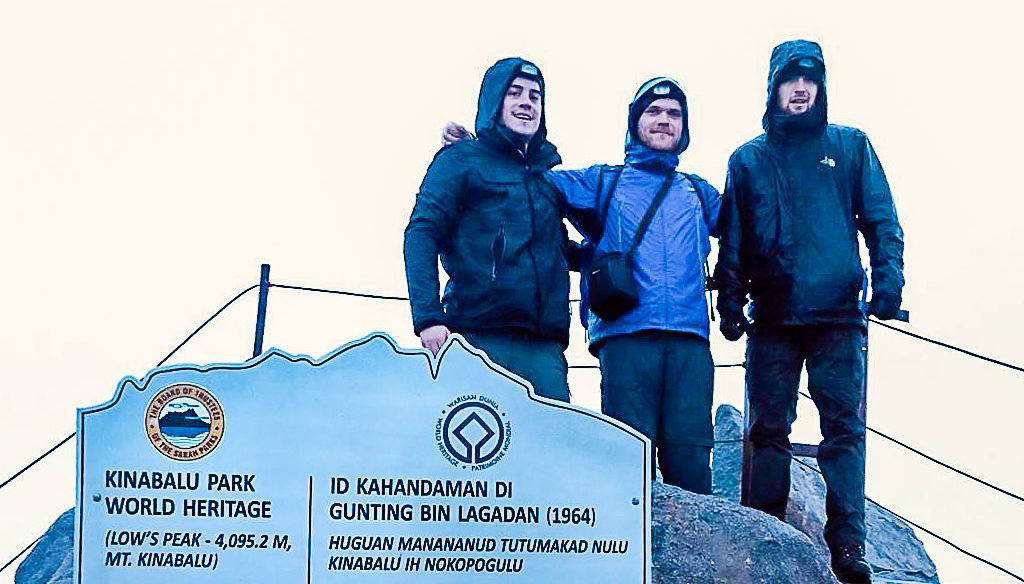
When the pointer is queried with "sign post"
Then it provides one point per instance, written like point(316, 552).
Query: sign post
point(374, 463)
point(261, 310)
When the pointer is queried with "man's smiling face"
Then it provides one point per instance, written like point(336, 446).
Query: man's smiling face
point(660, 126)
point(796, 96)
point(522, 107)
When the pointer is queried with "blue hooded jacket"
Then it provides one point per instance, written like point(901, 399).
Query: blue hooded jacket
point(669, 263)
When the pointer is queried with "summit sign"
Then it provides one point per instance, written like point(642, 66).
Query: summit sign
point(372, 464)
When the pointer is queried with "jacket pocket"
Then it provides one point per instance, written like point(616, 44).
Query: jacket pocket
point(500, 181)
point(490, 195)
point(488, 201)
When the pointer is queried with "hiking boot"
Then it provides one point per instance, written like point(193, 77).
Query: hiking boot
point(849, 565)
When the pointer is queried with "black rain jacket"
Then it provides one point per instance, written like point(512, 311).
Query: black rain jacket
point(496, 223)
point(795, 199)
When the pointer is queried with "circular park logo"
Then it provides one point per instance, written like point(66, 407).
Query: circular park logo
point(184, 421)
point(473, 432)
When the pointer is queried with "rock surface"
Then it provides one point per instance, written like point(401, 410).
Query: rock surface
point(50, 561)
point(699, 539)
point(893, 550)
point(727, 456)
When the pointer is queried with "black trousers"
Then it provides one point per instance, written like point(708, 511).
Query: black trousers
point(834, 356)
point(660, 383)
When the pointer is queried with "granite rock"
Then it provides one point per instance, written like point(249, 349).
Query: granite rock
point(50, 561)
point(700, 539)
point(892, 549)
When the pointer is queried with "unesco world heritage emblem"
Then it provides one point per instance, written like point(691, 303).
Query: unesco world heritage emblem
point(184, 422)
point(473, 432)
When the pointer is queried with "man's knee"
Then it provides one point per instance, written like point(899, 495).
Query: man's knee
point(770, 425)
point(843, 431)
point(840, 418)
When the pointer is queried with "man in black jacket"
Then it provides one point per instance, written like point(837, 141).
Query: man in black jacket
point(486, 210)
point(796, 197)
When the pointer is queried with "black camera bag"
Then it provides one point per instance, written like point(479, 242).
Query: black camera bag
point(610, 283)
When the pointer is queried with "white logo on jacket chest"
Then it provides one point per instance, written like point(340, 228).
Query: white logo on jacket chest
point(828, 161)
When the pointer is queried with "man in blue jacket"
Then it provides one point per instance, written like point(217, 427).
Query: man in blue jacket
point(486, 210)
point(795, 199)
point(657, 374)
point(656, 368)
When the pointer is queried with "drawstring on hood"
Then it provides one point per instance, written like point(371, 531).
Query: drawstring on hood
point(639, 155)
point(787, 57)
point(495, 85)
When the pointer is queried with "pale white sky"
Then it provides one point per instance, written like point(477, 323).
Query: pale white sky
point(153, 154)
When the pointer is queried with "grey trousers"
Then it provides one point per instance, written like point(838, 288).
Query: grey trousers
point(539, 360)
point(661, 384)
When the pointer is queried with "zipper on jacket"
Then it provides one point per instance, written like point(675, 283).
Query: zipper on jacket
point(497, 251)
point(533, 233)
point(529, 247)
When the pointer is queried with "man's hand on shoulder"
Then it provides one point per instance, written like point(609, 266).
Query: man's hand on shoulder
point(454, 132)
point(433, 337)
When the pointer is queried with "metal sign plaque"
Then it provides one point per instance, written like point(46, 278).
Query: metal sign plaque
point(373, 464)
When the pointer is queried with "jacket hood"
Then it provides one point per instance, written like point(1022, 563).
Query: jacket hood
point(496, 82)
point(785, 56)
point(636, 153)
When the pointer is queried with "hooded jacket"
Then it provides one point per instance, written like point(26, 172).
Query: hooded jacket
point(795, 199)
point(669, 263)
point(486, 210)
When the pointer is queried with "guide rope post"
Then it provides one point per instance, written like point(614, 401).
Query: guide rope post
point(261, 309)
point(902, 316)
point(747, 449)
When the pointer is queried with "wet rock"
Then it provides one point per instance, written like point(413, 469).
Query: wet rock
point(727, 454)
point(700, 539)
point(892, 549)
point(50, 561)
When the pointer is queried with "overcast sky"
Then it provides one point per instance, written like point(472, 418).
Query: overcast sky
point(153, 154)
